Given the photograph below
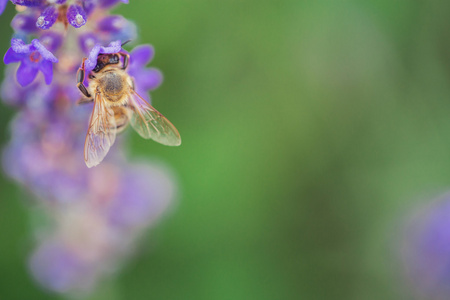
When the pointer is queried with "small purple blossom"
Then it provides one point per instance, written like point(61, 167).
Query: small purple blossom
point(24, 23)
point(76, 16)
point(118, 27)
point(87, 41)
point(33, 58)
point(47, 18)
point(51, 40)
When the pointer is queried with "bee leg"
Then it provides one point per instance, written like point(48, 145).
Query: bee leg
point(84, 101)
point(126, 60)
point(83, 90)
point(80, 79)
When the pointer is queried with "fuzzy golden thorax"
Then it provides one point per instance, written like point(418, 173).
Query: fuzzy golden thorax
point(113, 84)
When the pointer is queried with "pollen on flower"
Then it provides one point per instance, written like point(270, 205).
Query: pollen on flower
point(80, 21)
point(40, 21)
point(35, 56)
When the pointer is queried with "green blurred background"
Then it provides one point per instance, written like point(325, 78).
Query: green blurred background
point(309, 129)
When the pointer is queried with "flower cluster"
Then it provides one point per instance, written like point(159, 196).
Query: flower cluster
point(54, 37)
point(95, 216)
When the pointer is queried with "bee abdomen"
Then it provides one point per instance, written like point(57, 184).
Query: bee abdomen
point(121, 118)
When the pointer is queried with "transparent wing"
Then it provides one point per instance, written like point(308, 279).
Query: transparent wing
point(151, 124)
point(101, 133)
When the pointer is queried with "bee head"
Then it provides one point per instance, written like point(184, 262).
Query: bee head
point(106, 59)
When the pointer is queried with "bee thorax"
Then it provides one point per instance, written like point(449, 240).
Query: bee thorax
point(112, 85)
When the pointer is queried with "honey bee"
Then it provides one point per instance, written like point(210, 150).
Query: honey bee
point(116, 104)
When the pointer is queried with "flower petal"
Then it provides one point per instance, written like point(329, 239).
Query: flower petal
point(26, 73)
point(91, 62)
point(87, 41)
point(23, 22)
point(12, 57)
point(113, 47)
point(112, 23)
point(19, 46)
point(149, 79)
point(144, 94)
point(47, 18)
point(43, 51)
point(3, 5)
point(46, 68)
point(51, 40)
point(142, 55)
point(76, 16)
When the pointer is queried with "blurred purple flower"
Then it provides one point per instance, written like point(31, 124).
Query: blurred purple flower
point(146, 79)
point(58, 268)
point(24, 23)
point(425, 251)
point(3, 5)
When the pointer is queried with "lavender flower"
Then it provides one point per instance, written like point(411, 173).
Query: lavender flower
point(74, 12)
point(33, 58)
point(47, 18)
point(96, 215)
point(76, 16)
point(146, 79)
point(425, 251)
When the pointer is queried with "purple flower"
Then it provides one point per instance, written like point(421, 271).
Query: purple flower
point(33, 58)
point(118, 27)
point(146, 79)
point(29, 3)
point(146, 192)
point(25, 23)
point(87, 41)
point(95, 215)
point(76, 15)
point(47, 18)
point(51, 40)
point(59, 268)
point(425, 250)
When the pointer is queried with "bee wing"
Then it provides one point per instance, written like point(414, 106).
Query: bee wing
point(151, 124)
point(101, 133)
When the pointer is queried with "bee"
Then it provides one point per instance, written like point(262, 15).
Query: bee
point(116, 104)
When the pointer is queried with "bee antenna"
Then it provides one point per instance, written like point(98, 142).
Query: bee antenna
point(126, 42)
